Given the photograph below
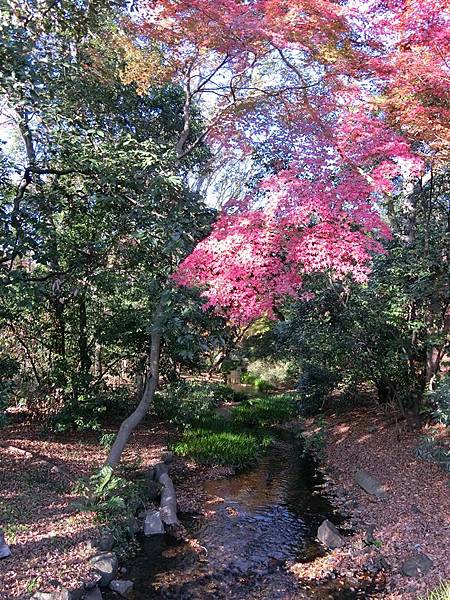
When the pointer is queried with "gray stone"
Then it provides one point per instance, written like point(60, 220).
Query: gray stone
point(4, 548)
point(167, 457)
point(153, 524)
point(369, 484)
point(415, 565)
point(368, 534)
point(106, 566)
point(329, 535)
point(61, 594)
point(93, 594)
point(123, 587)
point(106, 542)
point(4, 551)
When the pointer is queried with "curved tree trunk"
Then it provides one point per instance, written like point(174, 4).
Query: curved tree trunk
point(151, 383)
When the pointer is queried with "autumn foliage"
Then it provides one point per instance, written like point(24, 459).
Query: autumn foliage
point(253, 258)
point(355, 95)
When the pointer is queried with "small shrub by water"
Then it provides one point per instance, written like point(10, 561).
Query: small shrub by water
point(276, 373)
point(266, 411)
point(315, 443)
point(190, 403)
point(237, 449)
point(313, 388)
point(260, 384)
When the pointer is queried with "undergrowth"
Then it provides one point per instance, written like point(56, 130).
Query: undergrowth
point(114, 500)
point(315, 443)
point(442, 592)
point(187, 404)
point(239, 441)
point(430, 449)
point(266, 411)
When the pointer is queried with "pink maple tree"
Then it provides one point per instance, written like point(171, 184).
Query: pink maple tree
point(254, 257)
point(343, 90)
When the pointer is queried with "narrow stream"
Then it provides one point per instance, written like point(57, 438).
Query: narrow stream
point(264, 519)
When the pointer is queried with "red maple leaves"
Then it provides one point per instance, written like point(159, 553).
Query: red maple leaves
point(354, 94)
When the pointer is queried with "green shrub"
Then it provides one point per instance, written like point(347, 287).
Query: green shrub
point(430, 449)
point(315, 443)
point(239, 396)
point(257, 382)
point(84, 408)
point(225, 393)
point(186, 404)
point(440, 400)
point(8, 369)
point(248, 378)
point(442, 592)
point(313, 387)
point(114, 500)
point(262, 385)
point(274, 372)
point(83, 413)
point(270, 410)
point(106, 440)
point(236, 449)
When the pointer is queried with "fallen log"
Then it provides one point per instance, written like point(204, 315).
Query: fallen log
point(168, 502)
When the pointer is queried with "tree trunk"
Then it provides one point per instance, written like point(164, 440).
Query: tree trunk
point(151, 383)
point(384, 391)
point(85, 359)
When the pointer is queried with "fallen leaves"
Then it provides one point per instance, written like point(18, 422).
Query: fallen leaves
point(414, 516)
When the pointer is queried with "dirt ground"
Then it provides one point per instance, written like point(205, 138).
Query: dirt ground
point(414, 517)
point(51, 541)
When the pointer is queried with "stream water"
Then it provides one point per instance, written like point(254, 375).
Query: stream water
point(266, 518)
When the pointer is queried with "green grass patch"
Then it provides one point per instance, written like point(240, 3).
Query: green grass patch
point(442, 592)
point(266, 411)
point(215, 439)
point(260, 384)
point(237, 449)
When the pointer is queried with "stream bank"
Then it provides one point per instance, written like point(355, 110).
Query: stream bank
point(414, 516)
point(256, 528)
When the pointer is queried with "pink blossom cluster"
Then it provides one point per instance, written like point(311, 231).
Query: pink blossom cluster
point(254, 258)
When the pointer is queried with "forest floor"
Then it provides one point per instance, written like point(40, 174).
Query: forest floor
point(414, 517)
point(52, 542)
